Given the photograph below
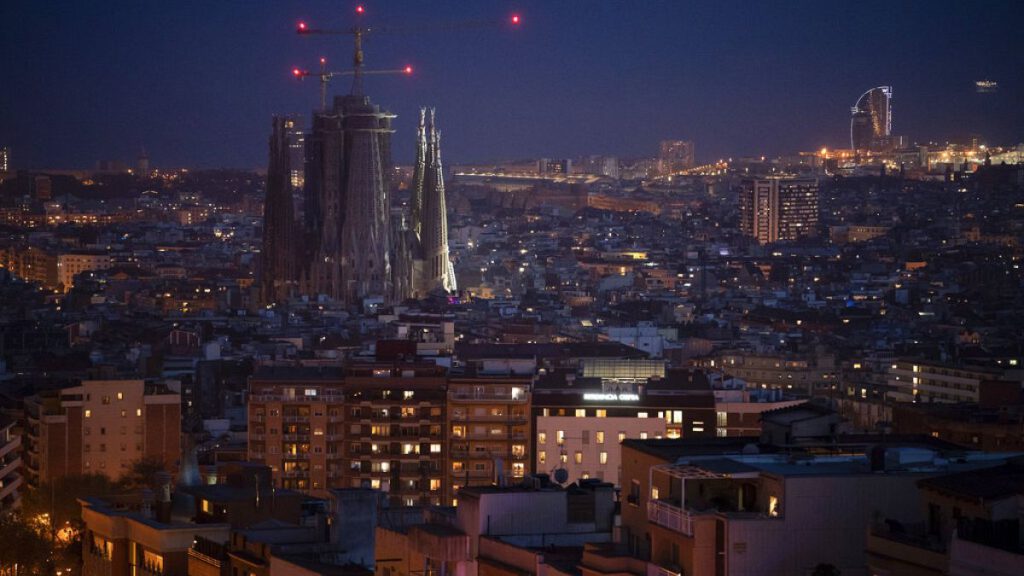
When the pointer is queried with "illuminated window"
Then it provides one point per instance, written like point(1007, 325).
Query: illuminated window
point(643, 435)
point(542, 457)
point(602, 413)
point(435, 448)
point(407, 394)
point(622, 436)
point(581, 412)
point(207, 507)
point(518, 469)
point(654, 493)
point(603, 458)
point(542, 437)
point(435, 484)
point(599, 436)
point(773, 506)
point(120, 395)
point(641, 414)
point(563, 457)
point(88, 413)
point(458, 466)
point(578, 457)
point(560, 437)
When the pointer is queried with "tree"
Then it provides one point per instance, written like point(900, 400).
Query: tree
point(144, 473)
point(25, 549)
point(57, 499)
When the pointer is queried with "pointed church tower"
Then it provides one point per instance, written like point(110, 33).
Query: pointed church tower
point(437, 269)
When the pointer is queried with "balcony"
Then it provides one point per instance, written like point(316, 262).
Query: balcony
point(674, 518)
point(489, 397)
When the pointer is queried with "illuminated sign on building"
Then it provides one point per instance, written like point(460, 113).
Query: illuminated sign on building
point(612, 397)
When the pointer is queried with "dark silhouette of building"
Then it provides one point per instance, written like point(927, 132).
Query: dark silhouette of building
point(278, 256)
point(348, 202)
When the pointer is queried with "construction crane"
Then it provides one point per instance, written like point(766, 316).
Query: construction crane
point(359, 31)
point(326, 76)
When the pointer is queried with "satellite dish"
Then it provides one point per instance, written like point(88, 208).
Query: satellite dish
point(561, 475)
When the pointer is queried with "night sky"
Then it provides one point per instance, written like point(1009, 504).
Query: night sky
point(196, 81)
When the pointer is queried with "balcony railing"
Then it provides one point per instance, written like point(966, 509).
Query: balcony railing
point(669, 516)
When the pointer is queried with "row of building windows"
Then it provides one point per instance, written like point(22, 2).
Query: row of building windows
point(542, 457)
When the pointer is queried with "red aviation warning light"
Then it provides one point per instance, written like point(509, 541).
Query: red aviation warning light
point(408, 70)
point(360, 9)
point(302, 27)
point(297, 73)
point(515, 19)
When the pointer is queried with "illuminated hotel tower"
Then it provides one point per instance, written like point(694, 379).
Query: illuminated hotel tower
point(871, 120)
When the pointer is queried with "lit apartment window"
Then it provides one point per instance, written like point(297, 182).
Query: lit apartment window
point(722, 419)
point(654, 493)
point(643, 435)
point(457, 466)
point(517, 393)
point(88, 413)
point(120, 395)
point(542, 457)
point(563, 457)
point(622, 436)
point(458, 431)
point(546, 412)
point(310, 392)
point(641, 414)
point(435, 484)
point(542, 437)
point(601, 413)
point(581, 412)
point(578, 457)
point(435, 448)
point(698, 426)
point(560, 437)
point(599, 436)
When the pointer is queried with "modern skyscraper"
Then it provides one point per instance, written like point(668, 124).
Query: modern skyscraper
point(871, 121)
point(5, 159)
point(142, 163)
point(775, 209)
point(675, 155)
point(279, 252)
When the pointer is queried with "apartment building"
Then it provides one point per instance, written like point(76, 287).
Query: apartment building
point(374, 425)
point(10, 465)
point(926, 381)
point(102, 427)
point(580, 422)
point(488, 425)
point(718, 508)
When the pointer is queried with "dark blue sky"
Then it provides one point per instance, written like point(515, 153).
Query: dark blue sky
point(196, 81)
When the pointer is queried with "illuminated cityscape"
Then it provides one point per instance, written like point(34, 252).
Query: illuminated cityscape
point(665, 305)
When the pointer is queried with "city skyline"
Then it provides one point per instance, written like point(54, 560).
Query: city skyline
point(697, 72)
